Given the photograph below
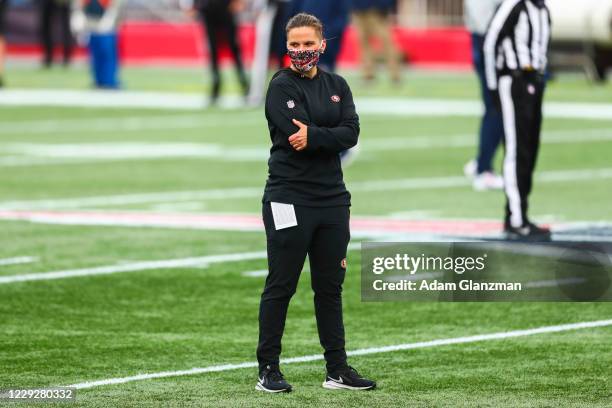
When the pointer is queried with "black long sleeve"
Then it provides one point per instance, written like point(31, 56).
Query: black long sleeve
point(312, 177)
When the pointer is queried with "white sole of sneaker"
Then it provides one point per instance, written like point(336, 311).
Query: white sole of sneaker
point(260, 387)
point(332, 385)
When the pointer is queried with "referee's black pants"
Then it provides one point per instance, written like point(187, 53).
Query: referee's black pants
point(323, 234)
point(521, 96)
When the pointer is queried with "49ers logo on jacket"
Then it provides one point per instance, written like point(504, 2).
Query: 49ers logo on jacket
point(343, 263)
point(335, 98)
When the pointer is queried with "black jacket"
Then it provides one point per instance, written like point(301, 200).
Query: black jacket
point(313, 176)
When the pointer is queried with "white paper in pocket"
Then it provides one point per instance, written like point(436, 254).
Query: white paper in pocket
point(284, 215)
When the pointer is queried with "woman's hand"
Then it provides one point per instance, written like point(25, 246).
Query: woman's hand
point(299, 140)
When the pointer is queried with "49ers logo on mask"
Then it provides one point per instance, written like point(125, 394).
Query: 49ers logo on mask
point(304, 60)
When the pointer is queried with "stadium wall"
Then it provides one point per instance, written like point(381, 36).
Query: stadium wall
point(150, 42)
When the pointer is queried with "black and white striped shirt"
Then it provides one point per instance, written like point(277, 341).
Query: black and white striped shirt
point(517, 39)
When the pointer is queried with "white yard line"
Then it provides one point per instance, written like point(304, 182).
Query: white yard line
point(144, 266)
point(134, 267)
point(28, 154)
point(430, 183)
point(38, 154)
point(129, 123)
point(470, 140)
point(417, 183)
point(262, 273)
point(132, 199)
point(18, 260)
point(554, 282)
point(359, 352)
point(101, 99)
point(470, 108)
point(366, 105)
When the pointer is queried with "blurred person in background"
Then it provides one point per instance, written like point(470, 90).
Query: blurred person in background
point(50, 11)
point(335, 18)
point(372, 20)
point(218, 18)
point(3, 5)
point(270, 13)
point(477, 15)
point(278, 42)
point(100, 20)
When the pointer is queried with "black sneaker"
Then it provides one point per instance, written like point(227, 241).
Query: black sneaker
point(348, 379)
point(528, 232)
point(271, 380)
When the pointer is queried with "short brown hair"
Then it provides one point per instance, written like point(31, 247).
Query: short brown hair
point(305, 20)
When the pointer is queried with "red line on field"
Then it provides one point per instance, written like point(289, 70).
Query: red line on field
point(246, 222)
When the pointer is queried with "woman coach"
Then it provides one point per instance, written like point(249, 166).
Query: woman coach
point(312, 118)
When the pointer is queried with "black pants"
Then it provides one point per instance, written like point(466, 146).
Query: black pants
point(216, 23)
point(323, 234)
point(3, 5)
point(521, 103)
point(49, 9)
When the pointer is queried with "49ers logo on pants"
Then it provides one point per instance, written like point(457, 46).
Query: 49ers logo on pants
point(343, 263)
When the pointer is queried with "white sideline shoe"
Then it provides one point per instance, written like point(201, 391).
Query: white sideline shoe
point(488, 181)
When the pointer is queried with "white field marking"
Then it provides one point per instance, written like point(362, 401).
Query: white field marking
point(466, 107)
point(359, 352)
point(559, 253)
point(255, 274)
point(420, 183)
point(108, 99)
point(37, 154)
point(262, 273)
point(134, 267)
point(553, 282)
point(415, 214)
point(564, 226)
point(203, 261)
point(470, 140)
point(360, 226)
point(18, 260)
point(129, 123)
point(551, 218)
point(133, 199)
point(430, 183)
point(31, 153)
point(27, 161)
point(366, 105)
point(184, 206)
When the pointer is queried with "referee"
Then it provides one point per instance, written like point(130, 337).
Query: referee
point(515, 52)
point(311, 117)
